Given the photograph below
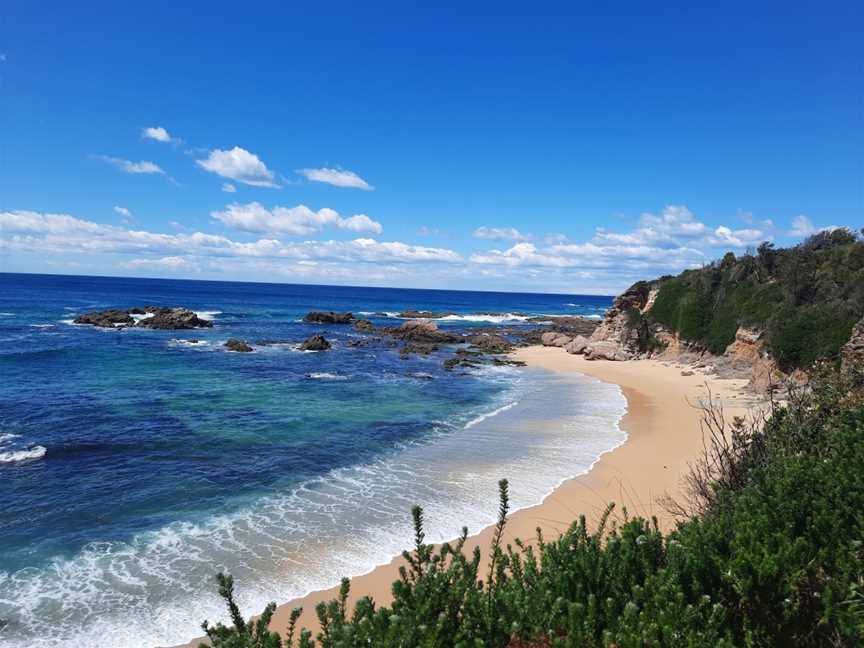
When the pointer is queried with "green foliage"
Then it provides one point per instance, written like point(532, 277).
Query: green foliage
point(775, 558)
point(805, 299)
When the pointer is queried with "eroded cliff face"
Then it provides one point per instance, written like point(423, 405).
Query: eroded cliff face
point(621, 326)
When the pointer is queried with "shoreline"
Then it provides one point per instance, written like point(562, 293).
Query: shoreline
point(663, 435)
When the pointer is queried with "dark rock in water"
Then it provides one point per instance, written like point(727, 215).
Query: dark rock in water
point(413, 347)
point(328, 317)
point(154, 317)
point(490, 343)
point(106, 319)
point(315, 343)
point(453, 363)
point(570, 324)
point(363, 325)
point(172, 318)
point(415, 314)
point(423, 331)
point(237, 345)
point(504, 362)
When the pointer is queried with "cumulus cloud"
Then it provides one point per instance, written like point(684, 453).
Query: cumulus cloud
point(336, 177)
point(802, 227)
point(240, 165)
point(229, 188)
point(123, 211)
point(500, 234)
point(128, 166)
point(62, 233)
point(725, 237)
point(294, 221)
point(163, 263)
point(156, 133)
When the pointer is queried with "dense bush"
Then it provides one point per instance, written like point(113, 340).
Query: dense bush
point(774, 557)
point(806, 299)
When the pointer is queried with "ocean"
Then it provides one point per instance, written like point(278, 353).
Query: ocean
point(135, 464)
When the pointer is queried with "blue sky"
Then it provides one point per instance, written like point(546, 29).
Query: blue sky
point(563, 147)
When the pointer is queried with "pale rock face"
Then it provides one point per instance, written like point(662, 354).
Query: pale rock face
point(553, 338)
point(577, 345)
point(852, 353)
point(747, 349)
point(606, 351)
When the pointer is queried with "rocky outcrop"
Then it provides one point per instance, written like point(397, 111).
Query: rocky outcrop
point(328, 317)
point(623, 324)
point(238, 346)
point(153, 317)
point(315, 343)
point(852, 353)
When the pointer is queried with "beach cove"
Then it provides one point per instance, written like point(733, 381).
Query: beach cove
point(662, 424)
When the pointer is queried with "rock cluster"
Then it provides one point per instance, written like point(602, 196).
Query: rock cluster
point(590, 348)
point(153, 317)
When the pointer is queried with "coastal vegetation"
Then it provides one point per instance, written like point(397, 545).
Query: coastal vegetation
point(804, 299)
point(768, 550)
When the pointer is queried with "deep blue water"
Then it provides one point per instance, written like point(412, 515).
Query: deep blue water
point(152, 442)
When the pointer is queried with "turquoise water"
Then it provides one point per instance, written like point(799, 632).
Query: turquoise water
point(134, 465)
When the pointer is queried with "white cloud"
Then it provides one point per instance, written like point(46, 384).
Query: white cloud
point(156, 133)
point(336, 177)
point(240, 165)
point(360, 223)
point(802, 227)
point(500, 234)
point(726, 237)
point(128, 166)
point(123, 211)
point(164, 263)
point(294, 221)
point(229, 188)
point(62, 233)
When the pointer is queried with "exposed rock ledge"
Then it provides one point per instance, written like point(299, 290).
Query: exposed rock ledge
point(153, 317)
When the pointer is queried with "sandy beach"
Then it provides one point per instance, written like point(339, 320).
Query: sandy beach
point(663, 427)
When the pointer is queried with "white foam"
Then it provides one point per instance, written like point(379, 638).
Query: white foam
point(192, 343)
point(140, 316)
point(503, 318)
point(14, 456)
point(323, 375)
point(489, 415)
point(208, 315)
point(8, 437)
point(7, 314)
point(157, 588)
point(41, 326)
